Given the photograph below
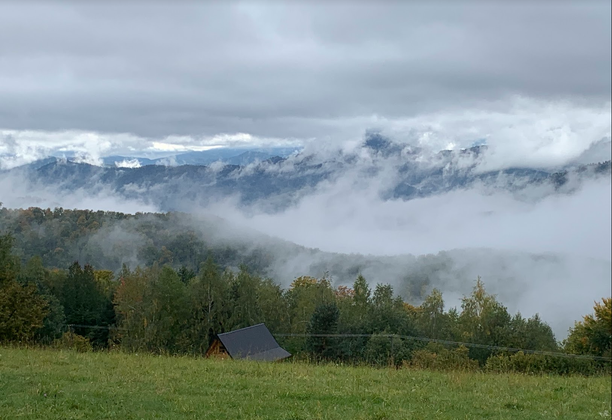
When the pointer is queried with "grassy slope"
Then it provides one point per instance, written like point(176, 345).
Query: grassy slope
point(37, 384)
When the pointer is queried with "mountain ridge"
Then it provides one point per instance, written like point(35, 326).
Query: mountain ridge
point(394, 171)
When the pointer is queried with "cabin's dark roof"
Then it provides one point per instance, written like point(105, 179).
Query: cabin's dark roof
point(254, 343)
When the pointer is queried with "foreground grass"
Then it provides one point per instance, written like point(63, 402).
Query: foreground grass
point(47, 384)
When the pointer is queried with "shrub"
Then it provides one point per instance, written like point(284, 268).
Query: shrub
point(72, 341)
point(545, 364)
point(436, 357)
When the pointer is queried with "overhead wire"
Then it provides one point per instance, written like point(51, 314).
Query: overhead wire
point(408, 337)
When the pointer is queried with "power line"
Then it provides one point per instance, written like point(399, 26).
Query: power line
point(460, 343)
point(97, 327)
point(406, 337)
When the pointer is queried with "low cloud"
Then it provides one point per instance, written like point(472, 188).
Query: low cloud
point(17, 191)
point(128, 163)
point(341, 220)
point(20, 147)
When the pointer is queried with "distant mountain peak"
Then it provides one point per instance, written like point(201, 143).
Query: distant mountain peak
point(380, 144)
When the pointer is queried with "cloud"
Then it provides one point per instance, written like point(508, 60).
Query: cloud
point(128, 163)
point(17, 191)
point(20, 147)
point(539, 251)
point(26, 146)
point(289, 70)
point(599, 151)
point(521, 132)
point(530, 80)
point(350, 217)
point(550, 257)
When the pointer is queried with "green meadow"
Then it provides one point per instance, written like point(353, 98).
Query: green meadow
point(55, 384)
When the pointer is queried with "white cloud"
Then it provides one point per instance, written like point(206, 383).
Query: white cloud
point(128, 163)
point(19, 147)
point(17, 192)
point(520, 132)
point(186, 145)
point(24, 146)
point(350, 217)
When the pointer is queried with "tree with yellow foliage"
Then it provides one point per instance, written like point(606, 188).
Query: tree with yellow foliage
point(593, 335)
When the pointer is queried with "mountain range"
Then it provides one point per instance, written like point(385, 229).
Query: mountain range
point(274, 182)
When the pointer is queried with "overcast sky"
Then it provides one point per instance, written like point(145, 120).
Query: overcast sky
point(115, 77)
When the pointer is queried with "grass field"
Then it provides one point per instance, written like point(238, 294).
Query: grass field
point(49, 384)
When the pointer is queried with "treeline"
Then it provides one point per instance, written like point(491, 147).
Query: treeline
point(110, 239)
point(163, 310)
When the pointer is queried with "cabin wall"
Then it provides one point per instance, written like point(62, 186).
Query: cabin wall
point(217, 350)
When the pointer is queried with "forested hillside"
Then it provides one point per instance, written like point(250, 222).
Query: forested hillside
point(111, 239)
point(158, 308)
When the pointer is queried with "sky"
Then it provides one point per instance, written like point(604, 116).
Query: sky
point(131, 78)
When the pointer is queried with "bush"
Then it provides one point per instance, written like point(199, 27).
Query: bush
point(544, 364)
point(498, 363)
point(72, 341)
point(382, 350)
point(436, 357)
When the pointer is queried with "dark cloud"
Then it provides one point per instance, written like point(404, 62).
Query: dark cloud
point(297, 70)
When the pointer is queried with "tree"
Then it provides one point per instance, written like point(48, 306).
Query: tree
point(432, 322)
point(9, 264)
point(131, 307)
point(244, 299)
point(361, 295)
point(22, 311)
point(54, 324)
point(186, 274)
point(22, 308)
point(33, 272)
point(86, 304)
point(105, 281)
point(324, 320)
point(388, 313)
point(593, 335)
point(355, 306)
point(303, 296)
point(531, 334)
point(483, 320)
point(382, 349)
point(273, 306)
point(166, 311)
point(208, 306)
